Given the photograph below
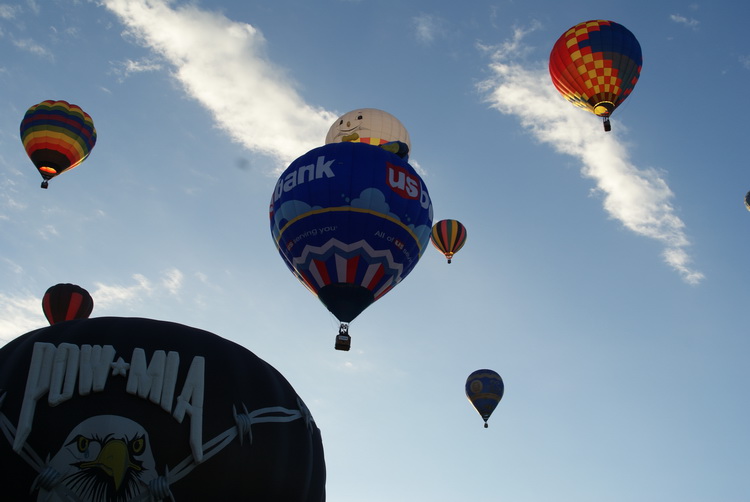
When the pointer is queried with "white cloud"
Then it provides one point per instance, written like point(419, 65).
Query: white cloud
point(31, 46)
point(8, 11)
point(22, 313)
point(129, 67)
point(19, 314)
point(637, 197)
point(172, 281)
point(220, 63)
point(106, 295)
point(689, 22)
point(428, 27)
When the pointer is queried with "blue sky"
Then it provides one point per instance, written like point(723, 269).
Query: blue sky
point(604, 276)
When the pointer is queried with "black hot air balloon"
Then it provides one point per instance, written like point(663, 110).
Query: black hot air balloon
point(64, 301)
point(138, 410)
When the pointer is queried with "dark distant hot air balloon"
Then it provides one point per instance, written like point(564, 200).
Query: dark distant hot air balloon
point(747, 201)
point(57, 137)
point(485, 389)
point(448, 236)
point(64, 302)
point(595, 66)
point(351, 221)
point(139, 410)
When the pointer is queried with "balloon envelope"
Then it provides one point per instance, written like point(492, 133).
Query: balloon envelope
point(133, 409)
point(448, 236)
point(485, 389)
point(747, 201)
point(595, 65)
point(63, 302)
point(351, 221)
point(57, 136)
point(368, 125)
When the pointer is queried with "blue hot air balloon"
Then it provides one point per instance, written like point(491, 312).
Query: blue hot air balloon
point(485, 389)
point(351, 220)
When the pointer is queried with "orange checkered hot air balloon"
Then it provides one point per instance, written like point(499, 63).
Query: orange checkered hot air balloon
point(57, 137)
point(595, 66)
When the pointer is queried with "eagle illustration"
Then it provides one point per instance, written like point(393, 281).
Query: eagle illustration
point(104, 458)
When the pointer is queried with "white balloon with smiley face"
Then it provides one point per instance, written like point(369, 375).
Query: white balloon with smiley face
point(368, 125)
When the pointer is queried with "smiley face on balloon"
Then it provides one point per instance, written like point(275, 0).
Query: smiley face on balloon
point(370, 126)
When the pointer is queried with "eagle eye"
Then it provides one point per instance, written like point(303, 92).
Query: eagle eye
point(137, 445)
point(82, 443)
point(359, 117)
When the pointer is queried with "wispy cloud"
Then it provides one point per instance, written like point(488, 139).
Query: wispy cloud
point(428, 27)
point(116, 295)
point(124, 69)
point(8, 11)
point(22, 312)
point(33, 47)
point(689, 22)
point(637, 197)
point(19, 314)
point(221, 64)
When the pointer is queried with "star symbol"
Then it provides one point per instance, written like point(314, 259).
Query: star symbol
point(120, 367)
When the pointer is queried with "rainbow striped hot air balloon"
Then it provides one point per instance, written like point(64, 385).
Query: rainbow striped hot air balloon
point(57, 137)
point(595, 65)
point(448, 236)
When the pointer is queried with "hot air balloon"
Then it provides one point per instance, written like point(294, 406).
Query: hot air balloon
point(63, 302)
point(136, 410)
point(57, 137)
point(351, 221)
point(373, 127)
point(747, 201)
point(595, 66)
point(448, 236)
point(484, 388)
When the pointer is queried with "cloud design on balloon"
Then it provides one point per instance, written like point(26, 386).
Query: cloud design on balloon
point(371, 199)
point(374, 200)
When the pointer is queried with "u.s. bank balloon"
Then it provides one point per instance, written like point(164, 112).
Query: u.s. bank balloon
point(65, 301)
point(448, 236)
point(485, 389)
point(595, 65)
point(351, 221)
point(138, 410)
point(57, 137)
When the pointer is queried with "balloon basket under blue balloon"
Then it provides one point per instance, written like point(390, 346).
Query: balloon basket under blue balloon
point(343, 340)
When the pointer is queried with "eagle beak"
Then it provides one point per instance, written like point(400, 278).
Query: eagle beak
point(114, 460)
